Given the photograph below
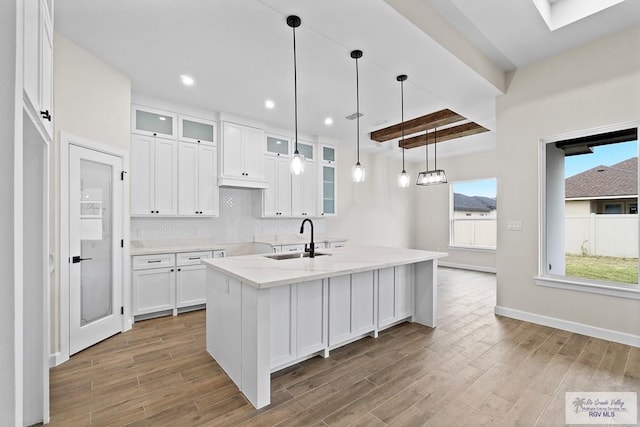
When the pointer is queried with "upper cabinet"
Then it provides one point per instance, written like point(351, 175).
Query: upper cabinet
point(200, 131)
point(198, 193)
point(38, 63)
point(276, 199)
point(328, 174)
point(304, 187)
point(153, 122)
point(241, 156)
point(154, 176)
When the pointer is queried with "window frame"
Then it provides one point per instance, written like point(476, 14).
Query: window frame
point(476, 248)
point(615, 289)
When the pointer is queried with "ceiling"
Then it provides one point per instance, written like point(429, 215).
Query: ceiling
point(239, 52)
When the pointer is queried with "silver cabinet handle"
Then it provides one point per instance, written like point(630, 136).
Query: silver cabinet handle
point(194, 257)
point(151, 261)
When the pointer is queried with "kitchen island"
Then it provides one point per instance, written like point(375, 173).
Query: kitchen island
point(265, 313)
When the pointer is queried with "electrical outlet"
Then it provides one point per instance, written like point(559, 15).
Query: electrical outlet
point(514, 225)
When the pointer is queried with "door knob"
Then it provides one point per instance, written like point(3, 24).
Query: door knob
point(76, 259)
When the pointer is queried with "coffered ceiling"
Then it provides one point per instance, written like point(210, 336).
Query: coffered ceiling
point(239, 52)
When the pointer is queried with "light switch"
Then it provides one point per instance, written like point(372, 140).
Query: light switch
point(514, 225)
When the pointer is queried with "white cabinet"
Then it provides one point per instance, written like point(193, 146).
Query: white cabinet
point(351, 307)
point(198, 193)
point(191, 278)
point(154, 176)
point(311, 317)
point(328, 179)
point(38, 62)
point(395, 294)
point(199, 131)
point(153, 122)
point(291, 248)
point(304, 192)
point(153, 283)
point(241, 156)
point(169, 283)
point(276, 200)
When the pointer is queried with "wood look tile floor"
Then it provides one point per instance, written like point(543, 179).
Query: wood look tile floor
point(474, 369)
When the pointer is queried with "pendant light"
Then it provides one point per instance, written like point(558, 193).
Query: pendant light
point(435, 176)
point(297, 161)
point(403, 178)
point(357, 171)
point(422, 176)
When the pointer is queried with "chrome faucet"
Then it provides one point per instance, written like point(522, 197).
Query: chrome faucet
point(312, 247)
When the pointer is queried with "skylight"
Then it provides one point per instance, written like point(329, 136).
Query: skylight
point(559, 13)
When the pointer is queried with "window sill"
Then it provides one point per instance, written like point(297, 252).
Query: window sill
point(592, 288)
point(473, 248)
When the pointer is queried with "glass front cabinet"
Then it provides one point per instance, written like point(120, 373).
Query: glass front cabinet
point(328, 177)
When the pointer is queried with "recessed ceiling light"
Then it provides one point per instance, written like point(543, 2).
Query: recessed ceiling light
point(328, 121)
point(269, 104)
point(187, 80)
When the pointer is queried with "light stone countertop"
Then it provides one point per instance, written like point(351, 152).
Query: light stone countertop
point(262, 272)
point(296, 239)
point(153, 247)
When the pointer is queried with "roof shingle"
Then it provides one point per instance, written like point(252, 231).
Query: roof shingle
point(620, 179)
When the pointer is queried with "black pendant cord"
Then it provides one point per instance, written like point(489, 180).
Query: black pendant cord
point(435, 148)
point(295, 89)
point(426, 145)
point(357, 115)
point(402, 119)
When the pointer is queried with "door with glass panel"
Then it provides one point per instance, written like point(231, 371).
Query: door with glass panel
point(95, 233)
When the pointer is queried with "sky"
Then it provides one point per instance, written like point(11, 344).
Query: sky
point(605, 155)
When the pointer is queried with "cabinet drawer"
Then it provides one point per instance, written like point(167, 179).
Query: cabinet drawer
point(292, 248)
point(145, 262)
point(192, 258)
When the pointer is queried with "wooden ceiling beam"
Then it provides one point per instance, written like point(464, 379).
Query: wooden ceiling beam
point(420, 124)
point(445, 134)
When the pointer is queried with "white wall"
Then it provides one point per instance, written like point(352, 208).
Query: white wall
point(92, 100)
point(431, 219)
point(594, 85)
point(376, 211)
point(10, 208)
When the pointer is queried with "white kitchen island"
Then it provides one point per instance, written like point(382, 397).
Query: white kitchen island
point(265, 314)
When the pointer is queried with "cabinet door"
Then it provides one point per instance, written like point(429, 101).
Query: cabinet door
point(339, 309)
point(328, 190)
point(153, 122)
point(282, 330)
point(196, 130)
point(386, 296)
point(404, 291)
point(270, 195)
point(311, 318)
point(31, 60)
point(153, 290)
point(297, 193)
point(191, 285)
point(208, 191)
point(232, 161)
point(187, 178)
point(253, 152)
point(309, 190)
point(46, 70)
point(166, 177)
point(142, 160)
point(283, 198)
point(362, 299)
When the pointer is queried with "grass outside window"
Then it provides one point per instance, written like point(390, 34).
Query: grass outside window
point(610, 269)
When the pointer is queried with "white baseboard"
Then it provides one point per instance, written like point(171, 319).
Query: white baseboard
point(566, 325)
point(56, 359)
point(467, 267)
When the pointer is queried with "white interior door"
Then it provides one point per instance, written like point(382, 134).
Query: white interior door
point(95, 233)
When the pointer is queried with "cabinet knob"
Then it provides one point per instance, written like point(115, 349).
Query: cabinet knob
point(172, 269)
point(155, 134)
point(179, 269)
point(198, 141)
point(45, 115)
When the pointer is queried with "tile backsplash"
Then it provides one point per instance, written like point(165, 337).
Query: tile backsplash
point(238, 222)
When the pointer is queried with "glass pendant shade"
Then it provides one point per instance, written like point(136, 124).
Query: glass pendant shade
point(432, 177)
point(403, 179)
point(357, 173)
point(297, 163)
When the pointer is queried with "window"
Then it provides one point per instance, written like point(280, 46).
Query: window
point(473, 214)
point(589, 233)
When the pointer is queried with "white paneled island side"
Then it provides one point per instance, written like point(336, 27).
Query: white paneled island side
point(266, 314)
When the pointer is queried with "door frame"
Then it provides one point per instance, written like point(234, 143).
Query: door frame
point(66, 140)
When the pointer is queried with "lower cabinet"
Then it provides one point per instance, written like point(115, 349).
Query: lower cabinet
point(165, 283)
point(351, 307)
point(395, 294)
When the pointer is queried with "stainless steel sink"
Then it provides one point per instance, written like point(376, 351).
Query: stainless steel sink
point(292, 255)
